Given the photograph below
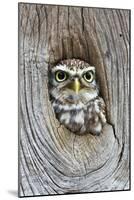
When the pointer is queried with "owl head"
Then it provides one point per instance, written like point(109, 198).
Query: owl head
point(73, 82)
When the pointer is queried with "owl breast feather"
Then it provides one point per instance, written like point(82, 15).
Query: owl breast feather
point(82, 119)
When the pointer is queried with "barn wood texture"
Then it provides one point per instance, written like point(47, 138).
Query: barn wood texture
point(52, 160)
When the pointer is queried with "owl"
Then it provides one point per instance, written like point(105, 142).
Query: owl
point(74, 94)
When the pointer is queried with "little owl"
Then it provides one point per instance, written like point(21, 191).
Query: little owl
point(74, 95)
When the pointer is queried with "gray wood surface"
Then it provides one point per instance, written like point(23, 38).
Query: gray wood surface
point(53, 160)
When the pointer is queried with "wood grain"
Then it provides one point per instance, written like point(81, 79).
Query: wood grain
point(52, 160)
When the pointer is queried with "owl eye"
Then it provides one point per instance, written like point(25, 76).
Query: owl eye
point(89, 76)
point(60, 76)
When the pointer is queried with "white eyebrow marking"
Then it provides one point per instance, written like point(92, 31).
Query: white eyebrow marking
point(63, 68)
point(75, 71)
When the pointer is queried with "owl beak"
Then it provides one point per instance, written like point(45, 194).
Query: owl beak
point(75, 85)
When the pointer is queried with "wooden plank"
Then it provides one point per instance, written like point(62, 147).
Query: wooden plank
point(52, 160)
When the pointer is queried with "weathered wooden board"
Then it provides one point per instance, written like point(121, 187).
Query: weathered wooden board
point(53, 160)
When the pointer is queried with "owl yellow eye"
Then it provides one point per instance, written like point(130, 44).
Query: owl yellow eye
point(89, 76)
point(60, 76)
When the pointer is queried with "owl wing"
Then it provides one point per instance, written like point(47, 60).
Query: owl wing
point(102, 110)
